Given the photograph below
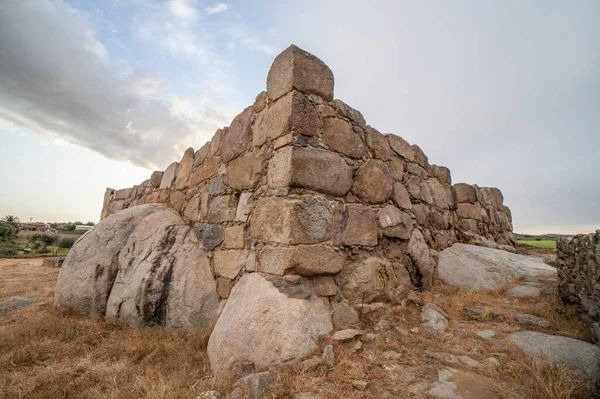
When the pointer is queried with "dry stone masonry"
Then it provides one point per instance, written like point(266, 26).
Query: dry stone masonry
point(275, 228)
point(578, 263)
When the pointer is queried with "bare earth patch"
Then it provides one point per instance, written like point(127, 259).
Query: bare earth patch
point(46, 354)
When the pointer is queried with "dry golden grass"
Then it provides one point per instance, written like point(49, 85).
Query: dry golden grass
point(47, 354)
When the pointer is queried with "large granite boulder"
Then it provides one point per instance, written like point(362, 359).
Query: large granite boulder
point(479, 267)
point(153, 271)
point(261, 327)
point(578, 355)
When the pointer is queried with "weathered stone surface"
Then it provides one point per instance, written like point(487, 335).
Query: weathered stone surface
point(236, 139)
point(244, 172)
point(433, 318)
point(182, 175)
point(253, 386)
point(235, 237)
point(346, 335)
point(401, 147)
point(524, 291)
point(486, 333)
point(373, 182)
point(255, 317)
point(15, 302)
point(222, 208)
point(395, 223)
point(211, 235)
point(324, 286)
point(162, 255)
point(294, 68)
point(471, 211)
point(90, 268)
point(401, 197)
point(124, 193)
point(442, 173)
point(224, 286)
point(348, 112)
point(465, 193)
point(244, 208)
point(205, 171)
point(192, 208)
point(529, 319)
point(156, 178)
point(479, 267)
point(358, 225)
point(291, 113)
point(169, 175)
point(310, 168)
point(419, 252)
point(339, 136)
point(344, 316)
point(578, 355)
point(304, 220)
point(229, 263)
point(378, 144)
point(370, 280)
point(304, 260)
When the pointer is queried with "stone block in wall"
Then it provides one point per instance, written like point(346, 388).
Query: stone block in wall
point(303, 220)
point(350, 113)
point(339, 136)
point(415, 169)
point(177, 200)
point(124, 193)
point(222, 208)
point(215, 143)
point(169, 175)
point(396, 166)
point(439, 195)
point(400, 196)
point(224, 286)
point(395, 223)
point(420, 158)
point(492, 196)
point(236, 139)
point(471, 211)
point(235, 237)
point(419, 253)
point(324, 286)
point(205, 171)
point(310, 168)
point(373, 182)
point(244, 208)
point(378, 144)
point(356, 224)
point(303, 260)
point(211, 235)
point(192, 208)
point(245, 171)
point(183, 172)
point(156, 178)
point(296, 69)
point(413, 185)
point(401, 147)
point(229, 263)
point(291, 113)
point(442, 173)
point(465, 193)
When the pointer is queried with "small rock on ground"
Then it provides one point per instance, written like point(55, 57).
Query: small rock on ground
point(433, 318)
point(15, 302)
point(306, 395)
point(523, 318)
point(392, 355)
point(254, 386)
point(360, 385)
point(209, 395)
point(326, 387)
point(524, 291)
point(486, 333)
point(473, 310)
point(328, 354)
point(346, 335)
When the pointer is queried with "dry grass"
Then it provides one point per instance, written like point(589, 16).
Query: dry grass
point(46, 354)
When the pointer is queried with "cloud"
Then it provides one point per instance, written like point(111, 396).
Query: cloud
point(216, 9)
point(56, 79)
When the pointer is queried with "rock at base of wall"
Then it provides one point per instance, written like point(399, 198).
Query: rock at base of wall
point(261, 327)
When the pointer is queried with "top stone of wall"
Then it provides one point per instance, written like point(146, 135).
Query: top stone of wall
point(296, 69)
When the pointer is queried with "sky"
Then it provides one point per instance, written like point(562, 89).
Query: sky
point(97, 94)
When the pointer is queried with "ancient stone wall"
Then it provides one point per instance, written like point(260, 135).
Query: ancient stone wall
point(300, 184)
point(578, 262)
point(482, 213)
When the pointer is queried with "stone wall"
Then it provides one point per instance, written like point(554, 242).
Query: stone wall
point(482, 213)
point(300, 185)
point(578, 262)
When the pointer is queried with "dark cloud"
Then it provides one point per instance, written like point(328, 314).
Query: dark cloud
point(57, 79)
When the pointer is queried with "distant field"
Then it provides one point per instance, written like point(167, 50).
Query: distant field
point(540, 244)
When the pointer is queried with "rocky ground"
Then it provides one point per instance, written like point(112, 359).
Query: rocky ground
point(447, 342)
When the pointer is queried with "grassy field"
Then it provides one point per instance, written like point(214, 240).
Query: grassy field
point(540, 244)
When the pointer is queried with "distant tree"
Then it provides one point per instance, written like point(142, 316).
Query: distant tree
point(7, 231)
point(90, 224)
point(13, 221)
point(43, 239)
point(66, 242)
point(70, 227)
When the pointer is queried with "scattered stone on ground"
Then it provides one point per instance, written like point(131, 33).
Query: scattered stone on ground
point(529, 319)
point(329, 386)
point(209, 395)
point(576, 354)
point(346, 335)
point(433, 318)
point(492, 362)
point(15, 302)
point(360, 385)
point(469, 361)
point(53, 261)
point(311, 364)
point(459, 384)
point(306, 395)
point(473, 310)
point(253, 386)
point(478, 267)
point(391, 355)
point(524, 291)
point(328, 354)
point(486, 333)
